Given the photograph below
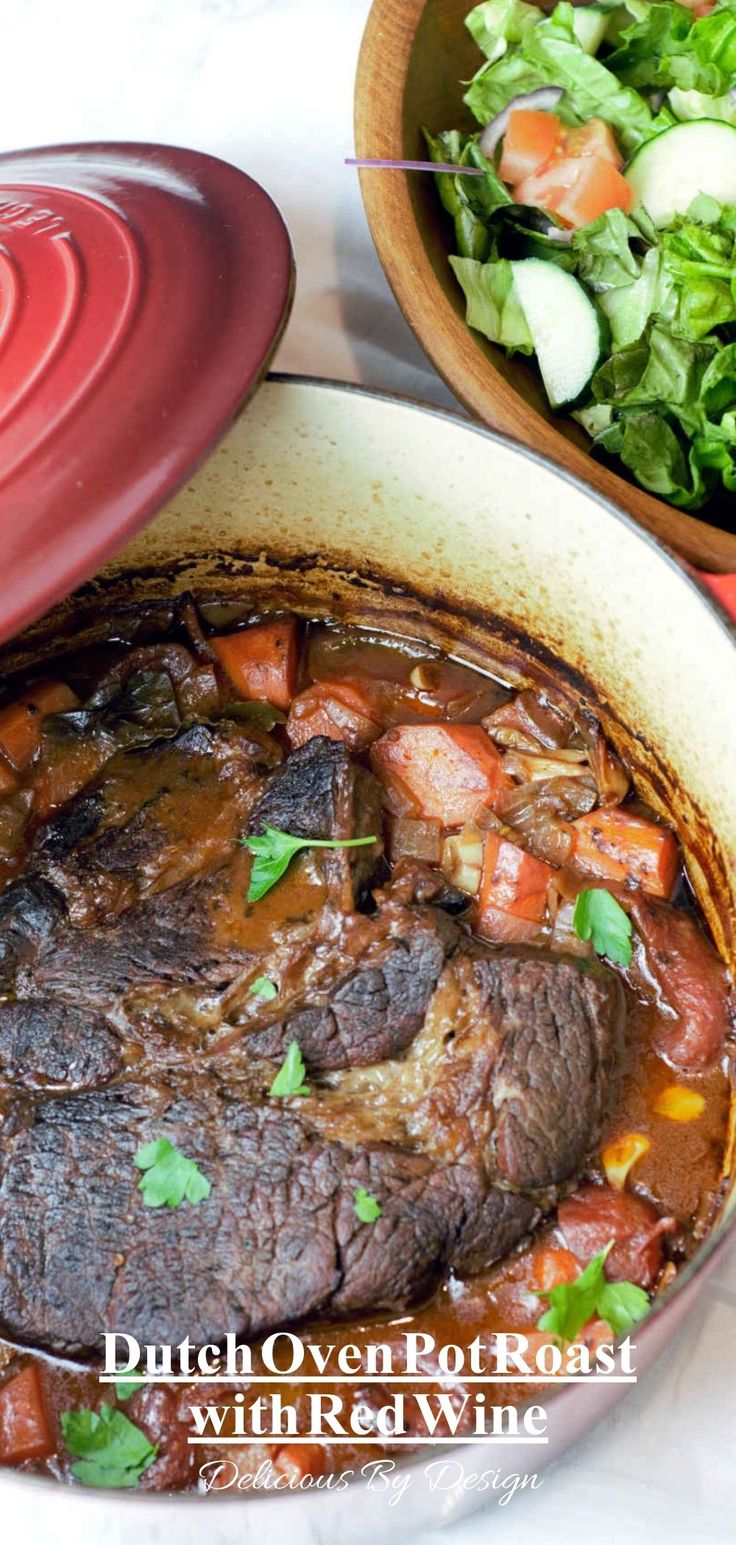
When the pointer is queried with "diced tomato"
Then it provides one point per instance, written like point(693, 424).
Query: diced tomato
point(20, 722)
point(342, 710)
point(596, 1214)
point(25, 1429)
point(262, 662)
point(512, 900)
point(550, 1267)
point(577, 188)
point(530, 139)
point(595, 138)
point(692, 981)
point(627, 849)
point(441, 772)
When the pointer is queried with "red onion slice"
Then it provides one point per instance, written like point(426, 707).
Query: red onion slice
point(414, 166)
point(542, 100)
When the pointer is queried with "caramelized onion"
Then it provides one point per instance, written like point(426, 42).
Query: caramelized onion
point(611, 777)
point(539, 813)
point(529, 723)
point(415, 839)
point(462, 858)
point(537, 767)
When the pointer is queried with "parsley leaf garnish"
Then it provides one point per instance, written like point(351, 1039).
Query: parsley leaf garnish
point(273, 851)
point(367, 1209)
point(291, 1074)
point(128, 1386)
point(264, 988)
point(572, 1304)
point(110, 1449)
point(598, 916)
point(169, 1177)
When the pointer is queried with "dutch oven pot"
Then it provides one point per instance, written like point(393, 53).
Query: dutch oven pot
point(336, 502)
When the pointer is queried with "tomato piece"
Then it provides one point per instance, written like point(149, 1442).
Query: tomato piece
point(577, 188)
point(342, 710)
point(21, 722)
point(512, 900)
point(530, 139)
point(262, 662)
point(596, 1214)
point(594, 139)
point(441, 772)
point(25, 1430)
point(692, 980)
point(627, 849)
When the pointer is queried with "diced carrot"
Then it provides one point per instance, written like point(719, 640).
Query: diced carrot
point(25, 1430)
point(577, 188)
point(300, 1459)
point(8, 779)
point(678, 1103)
point(615, 845)
point(21, 721)
point(342, 710)
point(262, 662)
point(530, 139)
point(513, 891)
point(621, 1154)
point(550, 1267)
point(595, 138)
point(441, 772)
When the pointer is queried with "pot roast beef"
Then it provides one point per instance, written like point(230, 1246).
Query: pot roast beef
point(462, 1086)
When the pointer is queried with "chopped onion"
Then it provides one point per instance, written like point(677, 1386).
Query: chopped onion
point(462, 858)
point(621, 1154)
point(415, 839)
point(539, 812)
point(611, 777)
point(563, 936)
point(542, 100)
point(528, 723)
point(532, 767)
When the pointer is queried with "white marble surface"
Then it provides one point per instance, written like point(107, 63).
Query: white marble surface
point(268, 84)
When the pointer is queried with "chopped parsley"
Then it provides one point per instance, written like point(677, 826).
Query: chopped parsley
point(264, 988)
point(110, 1450)
point(367, 1209)
point(273, 851)
point(125, 1387)
point(572, 1304)
point(291, 1075)
point(169, 1177)
point(598, 916)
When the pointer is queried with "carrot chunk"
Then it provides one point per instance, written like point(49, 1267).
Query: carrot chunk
point(262, 662)
point(512, 900)
point(25, 1430)
point(615, 845)
point(441, 772)
point(20, 722)
point(341, 710)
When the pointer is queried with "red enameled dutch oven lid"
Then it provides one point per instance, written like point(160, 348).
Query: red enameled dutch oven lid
point(143, 290)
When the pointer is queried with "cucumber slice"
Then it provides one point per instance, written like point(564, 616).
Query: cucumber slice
point(667, 172)
point(589, 23)
point(564, 325)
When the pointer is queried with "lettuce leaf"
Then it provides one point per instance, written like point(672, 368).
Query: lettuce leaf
point(549, 54)
point(492, 304)
point(496, 23)
point(669, 47)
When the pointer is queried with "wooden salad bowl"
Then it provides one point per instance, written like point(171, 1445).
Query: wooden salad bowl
point(415, 54)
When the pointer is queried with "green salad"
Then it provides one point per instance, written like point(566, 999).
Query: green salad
point(595, 223)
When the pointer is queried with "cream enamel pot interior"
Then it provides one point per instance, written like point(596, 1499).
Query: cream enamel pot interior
point(331, 500)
